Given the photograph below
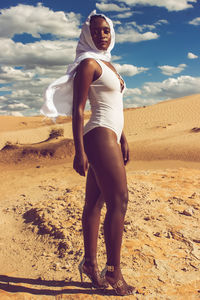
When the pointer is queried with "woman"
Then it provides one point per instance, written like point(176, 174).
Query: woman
point(98, 144)
point(101, 148)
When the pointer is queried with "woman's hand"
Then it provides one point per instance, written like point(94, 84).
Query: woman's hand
point(80, 164)
point(124, 148)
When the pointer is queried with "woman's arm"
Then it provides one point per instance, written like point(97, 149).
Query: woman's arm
point(124, 148)
point(83, 78)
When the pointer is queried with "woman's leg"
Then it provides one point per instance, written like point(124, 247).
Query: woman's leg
point(90, 222)
point(91, 217)
point(105, 157)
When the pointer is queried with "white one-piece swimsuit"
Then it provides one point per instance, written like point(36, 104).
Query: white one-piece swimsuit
point(106, 101)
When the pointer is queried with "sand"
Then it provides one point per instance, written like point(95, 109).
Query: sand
point(42, 198)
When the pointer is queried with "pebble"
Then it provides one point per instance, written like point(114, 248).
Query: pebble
point(157, 234)
point(196, 241)
point(189, 212)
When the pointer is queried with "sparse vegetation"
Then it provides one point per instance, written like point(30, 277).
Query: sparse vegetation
point(56, 132)
point(9, 145)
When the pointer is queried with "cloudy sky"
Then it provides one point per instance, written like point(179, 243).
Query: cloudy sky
point(157, 48)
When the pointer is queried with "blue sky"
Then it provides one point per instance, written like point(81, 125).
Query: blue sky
point(157, 48)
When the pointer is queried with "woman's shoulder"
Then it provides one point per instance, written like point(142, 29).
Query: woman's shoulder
point(87, 65)
point(88, 62)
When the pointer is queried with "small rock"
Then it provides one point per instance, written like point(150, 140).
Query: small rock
point(189, 212)
point(195, 129)
point(168, 235)
point(196, 241)
point(184, 269)
point(157, 234)
point(192, 196)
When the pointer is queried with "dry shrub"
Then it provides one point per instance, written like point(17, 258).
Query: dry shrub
point(56, 132)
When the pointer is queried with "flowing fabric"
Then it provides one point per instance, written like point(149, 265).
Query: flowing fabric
point(59, 94)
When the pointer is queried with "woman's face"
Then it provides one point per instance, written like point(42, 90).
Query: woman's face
point(100, 32)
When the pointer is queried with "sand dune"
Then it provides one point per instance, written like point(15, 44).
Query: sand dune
point(42, 199)
point(168, 130)
point(165, 130)
point(51, 148)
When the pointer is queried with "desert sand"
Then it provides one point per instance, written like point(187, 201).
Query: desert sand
point(42, 197)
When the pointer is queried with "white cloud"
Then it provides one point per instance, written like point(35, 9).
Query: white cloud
point(171, 5)
point(161, 22)
point(170, 70)
point(153, 92)
point(16, 114)
point(26, 95)
point(30, 67)
point(129, 70)
point(50, 71)
point(16, 107)
point(37, 20)
point(117, 22)
point(128, 34)
point(110, 7)
point(131, 92)
point(4, 88)
point(124, 15)
point(175, 87)
point(42, 53)
point(29, 93)
point(195, 21)
point(8, 74)
point(143, 27)
point(191, 55)
point(20, 94)
point(116, 57)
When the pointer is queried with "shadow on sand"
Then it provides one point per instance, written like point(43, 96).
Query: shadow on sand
point(10, 284)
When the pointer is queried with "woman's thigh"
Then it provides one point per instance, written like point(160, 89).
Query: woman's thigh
point(105, 157)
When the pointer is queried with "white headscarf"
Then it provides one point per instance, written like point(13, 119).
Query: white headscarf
point(59, 95)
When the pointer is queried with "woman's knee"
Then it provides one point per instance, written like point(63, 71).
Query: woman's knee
point(124, 201)
point(118, 202)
